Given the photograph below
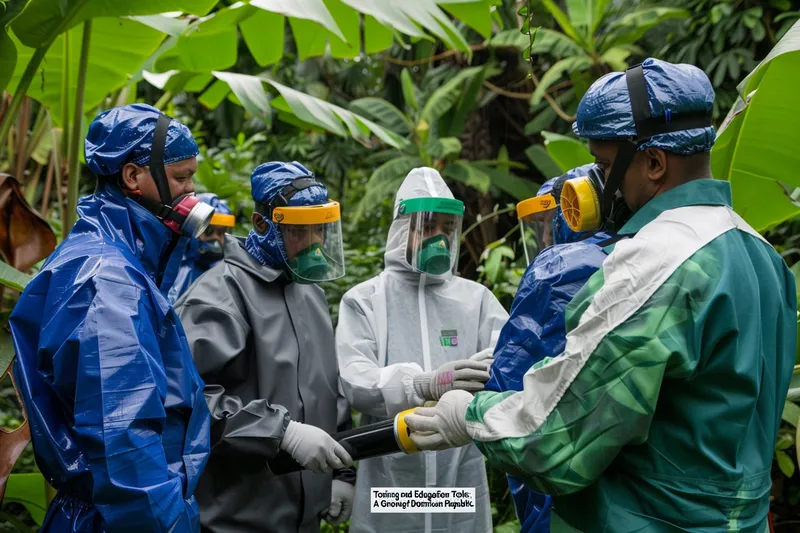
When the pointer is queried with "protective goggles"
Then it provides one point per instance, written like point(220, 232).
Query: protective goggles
point(434, 233)
point(589, 205)
point(535, 217)
point(312, 241)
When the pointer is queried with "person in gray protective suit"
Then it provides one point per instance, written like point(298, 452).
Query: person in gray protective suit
point(262, 338)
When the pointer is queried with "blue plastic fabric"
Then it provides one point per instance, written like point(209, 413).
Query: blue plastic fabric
point(536, 328)
point(125, 135)
point(188, 272)
point(266, 181)
point(191, 268)
point(220, 206)
point(118, 419)
point(605, 111)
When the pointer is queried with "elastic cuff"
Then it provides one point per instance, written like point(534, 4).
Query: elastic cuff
point(422, 385)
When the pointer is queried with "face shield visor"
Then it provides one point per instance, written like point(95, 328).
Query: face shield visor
point(535, 217)
point(312, 241)
point(434, 233)
point(211, 240)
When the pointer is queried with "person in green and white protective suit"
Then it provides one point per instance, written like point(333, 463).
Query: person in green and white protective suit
point(662, 412)
point(409, 335)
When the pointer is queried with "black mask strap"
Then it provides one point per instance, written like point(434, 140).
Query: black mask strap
point(156, 164)
point(646, 127)
point(282, 198)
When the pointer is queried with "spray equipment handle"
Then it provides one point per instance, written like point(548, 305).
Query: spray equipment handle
point(373, 440)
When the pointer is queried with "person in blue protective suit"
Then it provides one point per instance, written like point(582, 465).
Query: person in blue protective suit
point(205, 251)
point(262, 338)
point(566, 260)
point(118, 420)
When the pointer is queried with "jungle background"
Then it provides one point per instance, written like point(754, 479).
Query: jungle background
point(361, 92)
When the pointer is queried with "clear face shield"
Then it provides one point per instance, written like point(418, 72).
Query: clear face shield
point(434, 233)
point(312, 241)
point(535, 217)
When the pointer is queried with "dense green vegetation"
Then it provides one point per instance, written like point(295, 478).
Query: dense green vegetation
point(361, 93)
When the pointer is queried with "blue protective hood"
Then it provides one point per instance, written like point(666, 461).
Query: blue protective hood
point(220, 206)
point(267, 180)
point(605, 111)
point(125, 135)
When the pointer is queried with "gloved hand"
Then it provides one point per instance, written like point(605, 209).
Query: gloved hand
point(341, 506)
point(314, 449)
point(464, 375)
point(484, 356)
point(443, 426)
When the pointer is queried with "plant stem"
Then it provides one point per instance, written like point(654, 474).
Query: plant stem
point(164, 100)
point(22, 89)
point(64, 98)
point(73, 174)
point(487, 217)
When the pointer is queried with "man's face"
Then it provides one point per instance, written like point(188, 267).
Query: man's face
point(544, 222)
point(638, 185)
point(179, 178)
point(214, 233)
point(297, 238)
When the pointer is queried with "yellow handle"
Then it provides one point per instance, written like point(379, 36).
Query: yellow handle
point(403, 434)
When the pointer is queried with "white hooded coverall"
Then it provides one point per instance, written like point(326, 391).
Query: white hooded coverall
point(397, 325)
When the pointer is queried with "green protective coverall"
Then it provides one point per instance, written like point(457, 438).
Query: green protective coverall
point(662, 413)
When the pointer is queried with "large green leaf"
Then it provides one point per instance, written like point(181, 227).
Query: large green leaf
point(555, 44)
point(312, 10)
point(542, 161)
point(616, 58)
point(580, 12)
point(407, 16)
point(385, 181)
point(13, 278)
point(9, 10)
point(377, 37)
point(565, 66)
point(631, 27)
point(467, 173)
point(519, 188)
point(263, 32)
point(383, 113)
point(118, 48)
point(447, 95)
point(43, 20)
point(250, 93)
point(791, 414)
point(563, 21)
point(567, 152)
point(756, 147)
point(409, 90)
point(473, 13)
point(30, 491)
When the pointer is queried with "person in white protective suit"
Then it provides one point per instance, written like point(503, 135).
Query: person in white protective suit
point(409, 335)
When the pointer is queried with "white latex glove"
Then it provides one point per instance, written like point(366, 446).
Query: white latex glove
point(341, 503)
point(314, 449)
point(443, 426)
point(484, 356)
point(464, 375)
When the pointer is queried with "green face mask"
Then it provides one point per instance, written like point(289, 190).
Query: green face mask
point(434, 255)
point(310, 265)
